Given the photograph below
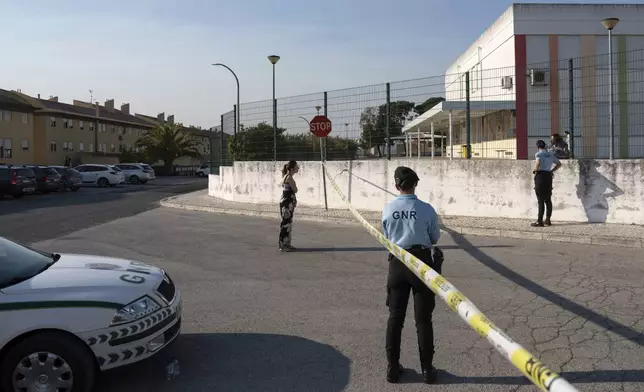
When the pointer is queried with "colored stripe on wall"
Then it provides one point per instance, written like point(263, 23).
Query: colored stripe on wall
point(588, 97)
point(521, 68)
point(622, 59)
point(555, 120)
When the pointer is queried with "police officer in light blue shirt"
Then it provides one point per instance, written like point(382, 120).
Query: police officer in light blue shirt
point(546, 164)
point(413, 225)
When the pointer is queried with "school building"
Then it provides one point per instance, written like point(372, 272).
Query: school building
point(520, 84)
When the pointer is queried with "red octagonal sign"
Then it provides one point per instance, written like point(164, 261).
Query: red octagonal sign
point(320, 126)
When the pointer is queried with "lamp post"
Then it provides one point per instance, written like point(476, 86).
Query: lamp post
point(274, 59)
point(238, 114)
point(609, 24)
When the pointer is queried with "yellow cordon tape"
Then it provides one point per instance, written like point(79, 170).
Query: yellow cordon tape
point(522, 359)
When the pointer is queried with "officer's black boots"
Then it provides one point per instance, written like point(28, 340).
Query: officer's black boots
point(430, 375)
point(394, 372)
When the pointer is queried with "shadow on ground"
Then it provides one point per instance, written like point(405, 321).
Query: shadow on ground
point(86, 195)
point(236, 362)
point(571, 306)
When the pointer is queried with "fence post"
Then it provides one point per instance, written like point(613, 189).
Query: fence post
point(323, 154)
point(235, 119)
point(388, 136)
point(326, 114)
point(221, 144)
point(275, 130)
point(468, 123)
point(571, 106)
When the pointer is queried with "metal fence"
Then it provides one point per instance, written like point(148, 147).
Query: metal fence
point(488, 113)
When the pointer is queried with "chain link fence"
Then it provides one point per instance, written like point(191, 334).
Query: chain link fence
point(484, 113)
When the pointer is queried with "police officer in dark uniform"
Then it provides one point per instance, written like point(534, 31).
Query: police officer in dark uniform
point(413, 225)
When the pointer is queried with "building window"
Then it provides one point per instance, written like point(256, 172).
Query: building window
point(5, 148)
point(81, 147)
point(71, 146)
point(65, 147)
point(129, 131)
point(52, 122)
point(65, 123)
point(81, 126)
point(91, 126)
point(6, 115)
point(25, 118)
point(91, 147)
point(25, 144)
point(121, 148)
point(101, 127)
point(113, 129)
point(52, 146)
point(112, 147)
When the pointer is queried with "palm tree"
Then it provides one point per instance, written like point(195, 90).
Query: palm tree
point(167, 142)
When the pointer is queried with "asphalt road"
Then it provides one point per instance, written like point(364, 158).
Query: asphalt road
point(37, 217)
point(314, 320)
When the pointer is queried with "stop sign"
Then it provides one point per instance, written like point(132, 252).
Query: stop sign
point(320, 126)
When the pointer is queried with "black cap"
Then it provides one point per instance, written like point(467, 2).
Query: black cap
point(405, 174)
point(541, 144)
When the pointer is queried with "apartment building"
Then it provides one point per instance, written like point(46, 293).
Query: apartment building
point(16, 129)
point(49, 132)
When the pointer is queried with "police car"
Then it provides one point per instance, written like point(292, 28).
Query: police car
point(65, 317)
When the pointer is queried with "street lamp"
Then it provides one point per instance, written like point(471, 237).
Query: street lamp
point(238, 114)
point(274, 59)
point(318, 109)
point(609, 24)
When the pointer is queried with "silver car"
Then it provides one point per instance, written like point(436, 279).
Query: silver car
point(136, 173)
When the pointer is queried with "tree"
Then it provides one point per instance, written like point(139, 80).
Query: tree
point(168, 142)
point(425, 106)
point(254, 143)
point(374, 123)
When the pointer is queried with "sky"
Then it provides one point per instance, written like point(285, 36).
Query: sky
point(156, 54)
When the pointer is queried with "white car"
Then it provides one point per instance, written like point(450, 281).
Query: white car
point(67, 316)
point(136, 173)
point(203, 170)
point(101, 175)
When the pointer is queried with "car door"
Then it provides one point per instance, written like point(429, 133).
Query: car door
point(88, 174)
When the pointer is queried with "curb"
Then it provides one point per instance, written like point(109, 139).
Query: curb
point(477, 231)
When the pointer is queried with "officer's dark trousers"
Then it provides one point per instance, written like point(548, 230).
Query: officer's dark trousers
point(543, 189)
point(399, 284)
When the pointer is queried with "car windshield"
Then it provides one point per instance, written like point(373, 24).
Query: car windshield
point(115, 168)
point(73, 172)
point(25, 173)
point(148, 167)
point(19, 262)
point(51, 171)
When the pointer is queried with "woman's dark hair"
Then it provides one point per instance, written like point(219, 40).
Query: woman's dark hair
point(290, 165)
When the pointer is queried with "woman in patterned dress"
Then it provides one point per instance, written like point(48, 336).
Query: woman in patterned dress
point(288, 202)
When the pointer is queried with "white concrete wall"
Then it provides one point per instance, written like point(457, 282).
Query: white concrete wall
point(488, 59)
point(488, 188)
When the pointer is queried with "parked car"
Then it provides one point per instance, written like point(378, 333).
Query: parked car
point(101, 175)
point(71, 178)
point(135, 173)
point(16, 181)
point(66, 317)
point(149, 170)
point(47, 179)
point(203, 170)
